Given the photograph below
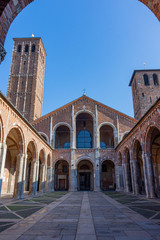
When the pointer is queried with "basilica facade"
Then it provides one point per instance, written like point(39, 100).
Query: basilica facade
point(84, 145)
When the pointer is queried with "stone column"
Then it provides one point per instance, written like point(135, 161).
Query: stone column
point(34, 165)
point(11, 173)
point(19, 175)
point(73, 133)
point(52, 179)
point(126, 179)
point(43, 178)
point(2, 53)
point(119, 178)
point(49, 179)
point(97, 172)
point(73, 173)
point(3, 152)
point(37, 175)
point(150, 186)
point(134, 176)
point(73, 170)
point(24, 175)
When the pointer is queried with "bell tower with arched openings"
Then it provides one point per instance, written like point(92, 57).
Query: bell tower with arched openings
point(145, 90)
point(26, 80)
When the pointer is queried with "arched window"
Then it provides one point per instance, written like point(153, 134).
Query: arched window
point(19, 48)
point(155, 79)
point(33, 48)
point(84, 139)
point(62, 137)
point(84, 130)
point(106, 137)
point(26, 48)
point(146, 80)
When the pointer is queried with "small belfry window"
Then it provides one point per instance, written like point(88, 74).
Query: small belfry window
point(155, 79)
point(84, 139)
point(26, 48)
point(19, 48)
point(146, 80)
point(33, 48)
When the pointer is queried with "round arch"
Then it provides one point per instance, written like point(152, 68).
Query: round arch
point(137, 157)
point(124, 135)
point(54, 132)
point(1, 130)
point(84, 128)
point(44, 135)
point(31, 156)
point(84, 111)
point(14, 154)
point(152, 150)
point(61, 180)
point(115, 135)
point(17, 132)
point(127, 163)
point(108, 175)
point(86, 158)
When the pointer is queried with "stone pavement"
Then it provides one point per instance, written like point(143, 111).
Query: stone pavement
point(84, 216)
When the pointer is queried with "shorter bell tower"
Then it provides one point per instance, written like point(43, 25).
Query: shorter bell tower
point(26, 79)
point(145, 90)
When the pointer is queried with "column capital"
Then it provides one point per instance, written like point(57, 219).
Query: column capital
point(3, 145)
point(2, 53)
point(21, 155)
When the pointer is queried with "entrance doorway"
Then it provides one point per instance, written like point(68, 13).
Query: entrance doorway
point(85, 176)
point(84, 181)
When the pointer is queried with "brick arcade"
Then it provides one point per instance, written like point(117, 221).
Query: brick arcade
point(84, 145)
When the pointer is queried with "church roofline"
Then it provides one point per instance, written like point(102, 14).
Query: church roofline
point(140, 70)
point(72, 102)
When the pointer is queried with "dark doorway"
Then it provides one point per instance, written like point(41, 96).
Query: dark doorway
point(84, 181)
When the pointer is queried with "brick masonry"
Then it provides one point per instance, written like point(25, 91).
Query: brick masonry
point(26, 80)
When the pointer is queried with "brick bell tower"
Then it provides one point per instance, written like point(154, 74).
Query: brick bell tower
point(145, 90)
point(26, 79)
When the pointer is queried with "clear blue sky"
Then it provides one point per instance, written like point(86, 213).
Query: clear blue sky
point(91, 44)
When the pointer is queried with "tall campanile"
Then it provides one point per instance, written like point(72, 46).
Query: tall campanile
point(26, 80)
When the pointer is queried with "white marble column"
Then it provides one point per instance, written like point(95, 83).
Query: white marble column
point(37, 176)
point(19, 175)
point(24, 175)
point(34, 165)
point(43, 178)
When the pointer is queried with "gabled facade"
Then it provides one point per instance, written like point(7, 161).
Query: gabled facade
point(84, 131)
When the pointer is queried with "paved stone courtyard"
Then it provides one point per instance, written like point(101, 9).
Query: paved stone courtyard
point(83, 216)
